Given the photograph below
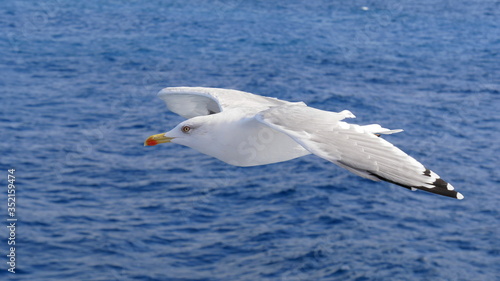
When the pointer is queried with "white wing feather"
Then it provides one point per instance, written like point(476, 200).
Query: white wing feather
point(190, 102)
point(353, 147)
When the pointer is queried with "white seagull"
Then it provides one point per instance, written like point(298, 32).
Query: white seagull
point(244, 129)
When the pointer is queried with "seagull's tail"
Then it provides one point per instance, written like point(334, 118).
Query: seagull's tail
point(377, 129)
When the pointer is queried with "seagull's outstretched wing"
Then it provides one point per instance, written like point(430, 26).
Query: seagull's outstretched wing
point(190, 102)
point(353, 147)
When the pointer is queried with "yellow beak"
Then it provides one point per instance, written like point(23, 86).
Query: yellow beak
point(156, 139)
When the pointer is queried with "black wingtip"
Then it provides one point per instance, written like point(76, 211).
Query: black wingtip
point(441, 187)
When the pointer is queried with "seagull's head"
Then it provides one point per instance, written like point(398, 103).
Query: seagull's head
point(186, 133)
point(203, 133)
point(223, 136)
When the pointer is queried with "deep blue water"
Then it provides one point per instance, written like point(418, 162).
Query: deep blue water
point(78, 84)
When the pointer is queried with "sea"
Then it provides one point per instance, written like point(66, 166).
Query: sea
point(78, 84)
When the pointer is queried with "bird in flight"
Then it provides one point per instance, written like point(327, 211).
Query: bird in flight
point(245, 129)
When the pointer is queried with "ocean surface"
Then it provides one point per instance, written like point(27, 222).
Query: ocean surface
point(78, 98)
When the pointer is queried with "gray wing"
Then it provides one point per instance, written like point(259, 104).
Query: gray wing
point(190, 102)
point(353, 147)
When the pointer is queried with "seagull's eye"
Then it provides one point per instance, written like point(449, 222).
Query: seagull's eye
point(186, 129)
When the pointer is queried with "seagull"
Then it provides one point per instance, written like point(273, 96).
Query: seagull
point(244, 129)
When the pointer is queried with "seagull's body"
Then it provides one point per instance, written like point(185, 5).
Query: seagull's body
point(244, 129)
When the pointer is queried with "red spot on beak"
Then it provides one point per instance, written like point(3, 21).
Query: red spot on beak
point(151, 142)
